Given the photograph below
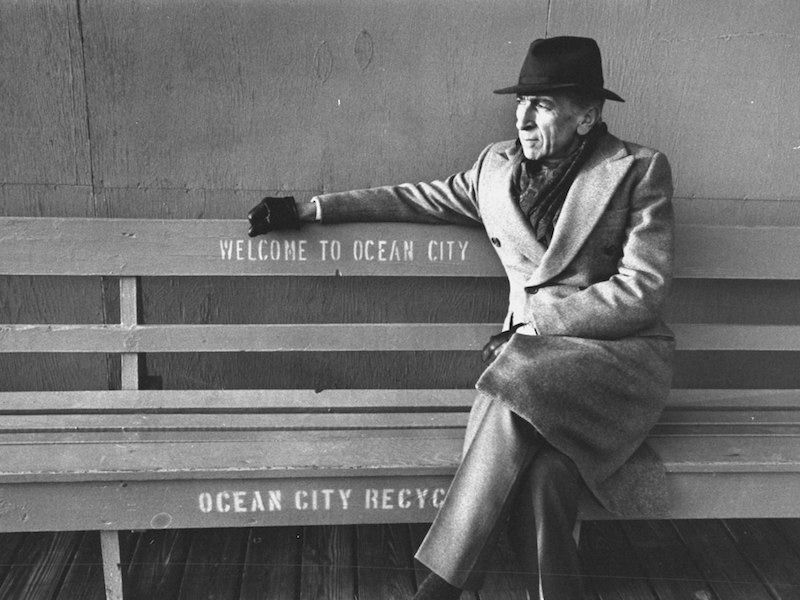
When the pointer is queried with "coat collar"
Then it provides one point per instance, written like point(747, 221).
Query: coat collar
point(586, 200)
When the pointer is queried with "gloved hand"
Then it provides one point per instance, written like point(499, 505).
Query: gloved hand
point(496, 343)
point(273, 213)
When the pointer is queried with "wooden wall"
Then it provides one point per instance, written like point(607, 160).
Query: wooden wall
point(179, 108)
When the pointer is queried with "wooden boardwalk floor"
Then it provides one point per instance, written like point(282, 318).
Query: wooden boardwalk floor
point(635, 560)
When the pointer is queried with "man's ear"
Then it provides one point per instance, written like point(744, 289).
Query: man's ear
point(588, 120)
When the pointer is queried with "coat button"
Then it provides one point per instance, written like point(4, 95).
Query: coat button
point(495, 242)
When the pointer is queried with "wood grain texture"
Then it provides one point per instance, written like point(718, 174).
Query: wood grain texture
point(328, 563)
point(219, 247)
point(385, 569)
point(669, 568)
point(156, 566)
point(84, 579)
point(41, 562)
point(213, 567)
point(705, 83)
point(43, 131)
point(276, 110)
point(728, 574)
point(271, 564)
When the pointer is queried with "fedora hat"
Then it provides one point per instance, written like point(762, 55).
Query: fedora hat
point(559, 63)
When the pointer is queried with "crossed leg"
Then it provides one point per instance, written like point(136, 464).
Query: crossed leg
point(508, 470)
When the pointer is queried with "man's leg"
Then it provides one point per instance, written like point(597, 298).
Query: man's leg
point(479, 498)
point(541, 526)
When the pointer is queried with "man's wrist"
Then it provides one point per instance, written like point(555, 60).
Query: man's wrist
point(307, 211)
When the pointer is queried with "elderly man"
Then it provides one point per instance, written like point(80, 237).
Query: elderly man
point(582, 223)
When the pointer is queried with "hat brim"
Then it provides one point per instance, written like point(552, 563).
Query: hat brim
point(527, 90)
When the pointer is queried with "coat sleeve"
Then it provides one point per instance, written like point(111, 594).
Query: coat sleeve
point(632, 298)
point(453, 200)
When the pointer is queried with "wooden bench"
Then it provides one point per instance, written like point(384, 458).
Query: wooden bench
point(132, 458)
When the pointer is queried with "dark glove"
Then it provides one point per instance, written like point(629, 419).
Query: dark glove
point(496, 343)
point(273, 213)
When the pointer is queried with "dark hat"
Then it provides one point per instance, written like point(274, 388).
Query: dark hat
point(559, 63)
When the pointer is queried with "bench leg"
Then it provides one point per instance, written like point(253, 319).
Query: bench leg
point(112, 570)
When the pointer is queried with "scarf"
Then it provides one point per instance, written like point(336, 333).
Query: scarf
point(542, 190)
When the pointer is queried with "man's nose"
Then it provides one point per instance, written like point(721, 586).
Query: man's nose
point(525, 118)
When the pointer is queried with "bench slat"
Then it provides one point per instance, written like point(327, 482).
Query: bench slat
point(12, 424)
point(357, 454)
point(353, 337)
point(309, 401)
point(220, 247)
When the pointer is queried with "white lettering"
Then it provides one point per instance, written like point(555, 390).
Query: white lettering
point(226, 248)
point(238, 502)
point(438, 497)
point(239, 249)
point(421, 496)
point(371, 499)
point(300, 502)
point(274, 500)
point(345, 497)
point(387, 498)
point(402, 499)
point(463, 247)
point(257, 504)
point(223, 502)
point(206, 502)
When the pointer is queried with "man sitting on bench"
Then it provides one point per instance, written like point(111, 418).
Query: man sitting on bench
point(582, 223)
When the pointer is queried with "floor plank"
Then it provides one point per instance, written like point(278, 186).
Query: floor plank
point(612, 568)
point(328, 563)
point(667, 562)
point(385, 568)
point(40, 566)
point(769, 553)
point(716, 556)
point(84, 579)
point(156, 564)
point(752, 559)
point(272, 564)
point(214, 565)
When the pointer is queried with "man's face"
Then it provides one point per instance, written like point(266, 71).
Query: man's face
point(548, 126)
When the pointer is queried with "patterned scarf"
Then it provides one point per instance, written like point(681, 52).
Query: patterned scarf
point(542, 189)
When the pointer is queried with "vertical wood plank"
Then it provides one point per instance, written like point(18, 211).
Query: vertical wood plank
point(385, 570)
point(156, 567)
point(128, 294)
point(84, 580)
point(328, 569)
point(112, 564)
point(272, 566)
point(214, 566)
point(40, 565)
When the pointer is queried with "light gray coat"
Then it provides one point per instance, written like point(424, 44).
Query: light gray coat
point(592, 367)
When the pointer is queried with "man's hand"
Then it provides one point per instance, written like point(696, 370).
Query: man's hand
point(496, 343)
point(273, 213)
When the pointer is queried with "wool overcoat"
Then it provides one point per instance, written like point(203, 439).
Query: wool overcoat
point(592, 366)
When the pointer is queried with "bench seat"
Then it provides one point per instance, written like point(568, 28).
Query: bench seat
point(131, 458)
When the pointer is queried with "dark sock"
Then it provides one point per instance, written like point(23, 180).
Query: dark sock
point(434, 587)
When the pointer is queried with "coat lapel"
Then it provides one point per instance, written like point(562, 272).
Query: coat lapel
point(515, 226)
point(585, 202)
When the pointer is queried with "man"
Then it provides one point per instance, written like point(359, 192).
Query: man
point(582, 223)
